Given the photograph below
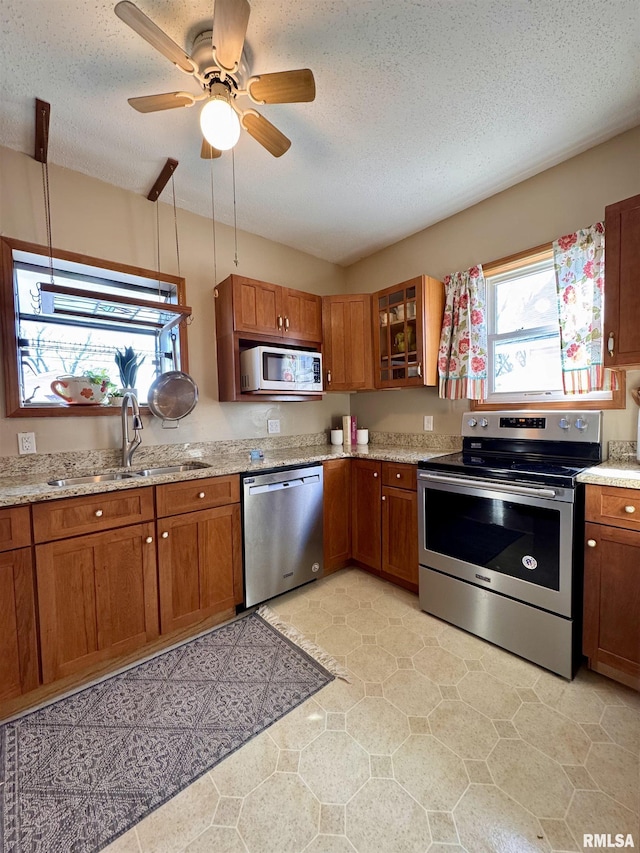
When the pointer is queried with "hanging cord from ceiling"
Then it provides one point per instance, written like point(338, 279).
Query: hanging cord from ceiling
point(44, 116)
point(235, 217)
point(175, 222)
point(213, 225)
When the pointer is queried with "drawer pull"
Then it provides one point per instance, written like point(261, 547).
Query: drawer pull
point(165, 535)
point(98, 513)
point(630, 508)
point(384, 497)
point(591, 543)
point(201, 495)
point(149, 540)
point(398, 476)
point(375, 473)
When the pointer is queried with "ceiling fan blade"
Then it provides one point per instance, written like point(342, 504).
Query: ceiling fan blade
point(168, 101)
point(283, 87)
point(138, 21)
point(230, 20)
point(265, 133)
point(208, 152)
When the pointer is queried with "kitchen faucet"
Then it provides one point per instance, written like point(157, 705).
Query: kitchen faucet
point(130, 446)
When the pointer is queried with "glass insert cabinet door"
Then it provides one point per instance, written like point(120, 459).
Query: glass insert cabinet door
point(407, 319)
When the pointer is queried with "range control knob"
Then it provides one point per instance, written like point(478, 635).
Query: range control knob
point(484, 422)
point(472, 422)
point(581, 423)
point(563, 423)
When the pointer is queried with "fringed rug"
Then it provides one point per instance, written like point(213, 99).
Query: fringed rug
point(78, 773)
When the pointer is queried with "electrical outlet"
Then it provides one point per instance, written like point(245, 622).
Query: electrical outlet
point(273, 426)
point(428, 422)
point(26, 443)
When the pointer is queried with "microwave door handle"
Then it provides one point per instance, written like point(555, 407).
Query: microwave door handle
point(494, 486)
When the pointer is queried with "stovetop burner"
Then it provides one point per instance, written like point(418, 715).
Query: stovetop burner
point(505, 468)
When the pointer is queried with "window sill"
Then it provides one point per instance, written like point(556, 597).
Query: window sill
point(618, 401)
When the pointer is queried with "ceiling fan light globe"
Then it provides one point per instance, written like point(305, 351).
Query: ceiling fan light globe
point(220, 124)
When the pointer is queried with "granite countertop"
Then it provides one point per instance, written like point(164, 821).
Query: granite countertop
point(21, 488)
point(613, 472)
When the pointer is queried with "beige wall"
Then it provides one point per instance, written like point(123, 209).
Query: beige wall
point(97, 219)
point(555, 202)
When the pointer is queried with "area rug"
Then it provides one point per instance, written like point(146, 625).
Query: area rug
point(78, 773)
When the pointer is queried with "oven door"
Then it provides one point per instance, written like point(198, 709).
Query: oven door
point(513, 539)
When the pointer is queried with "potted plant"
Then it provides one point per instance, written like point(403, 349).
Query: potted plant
point(128, 363)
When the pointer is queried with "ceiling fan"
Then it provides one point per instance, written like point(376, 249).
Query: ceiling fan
point(216, 63)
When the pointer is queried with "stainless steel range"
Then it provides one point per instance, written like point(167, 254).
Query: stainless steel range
point(497, 550)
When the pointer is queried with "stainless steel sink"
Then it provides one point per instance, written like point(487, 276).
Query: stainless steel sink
point(94, 478)
point(172, 469)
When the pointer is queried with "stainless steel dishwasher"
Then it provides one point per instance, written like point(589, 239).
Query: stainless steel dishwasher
point(282, 531)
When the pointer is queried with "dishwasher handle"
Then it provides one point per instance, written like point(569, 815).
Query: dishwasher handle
point(283, 484)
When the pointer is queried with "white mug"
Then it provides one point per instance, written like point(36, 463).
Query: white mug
point(337, 436)
point(362, 436)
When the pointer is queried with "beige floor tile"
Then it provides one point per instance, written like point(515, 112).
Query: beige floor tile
point(381, 766)
point(367, 621)
point(310, 622)
point(488, 821)
point(419, 725)
point(465, 731)
point(382, 818)
point(595, 812)
point(430, 772)
point(622, 724)
point(377, 725)
point(336, 722)
point(339, 639)
point(247, 767)
point(183, 818)
point(491, 697)
point(463, 645)
point(331, 819)
point(334, 767)
point(442, 827)
point(554, 734)
point(127, 843)
point(341, 695)
point(227, 811)
point(373, 688)
point(288, 761)
point(221, 839)
point(576, 700)
point(436, 847)
point(391, 607)
point(411, 692)
point(531, 778)
point(329, 844)
point(510, 668)
point(400, 641)
point(423, 624)
point(617, 773)
point(371, 663)
point(478, 771)
point(450, 693)
point(280, 815)
point(505, 728)
point(579, 777)
point(441, 666)
point(339, 605)
point(595, 732)
point(558, 835)
point(300, 726)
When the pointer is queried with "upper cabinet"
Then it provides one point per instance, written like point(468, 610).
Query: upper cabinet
point(261, 308)
point(407, 319)
point(622, 263)
point(346, 342)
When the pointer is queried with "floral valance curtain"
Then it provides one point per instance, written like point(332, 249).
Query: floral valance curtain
point(579, 267)
point(462, 358)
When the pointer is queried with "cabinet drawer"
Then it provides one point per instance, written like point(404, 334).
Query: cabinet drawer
point(74, 516)
point(15, 528)
point(188, 495)
point(399, 474)
point(613, 505)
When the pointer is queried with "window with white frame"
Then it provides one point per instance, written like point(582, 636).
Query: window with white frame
point(524, 334)
point(71, 316)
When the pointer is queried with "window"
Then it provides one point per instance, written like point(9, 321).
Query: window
point(524, 337)
point(70, 320)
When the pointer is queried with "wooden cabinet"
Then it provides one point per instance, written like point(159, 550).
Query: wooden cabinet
point(199, 550)
point(19, 666)
point(347, 342)
point(336, 514)
point(622, 283)
point(385, 520)
point(407, 319)
point(250, 312)
point(97, 597)
point(611, 634)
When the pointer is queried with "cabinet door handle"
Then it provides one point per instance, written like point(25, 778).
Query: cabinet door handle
point(591, 543)
point(201, 495)
point(328, 377)
point(610, 343)
point(419, 368)
point(286, 324)
point(630, 508)
point(165, 535)
point(398, 476)
point(375, 473)
point(279, 321)
point(149, 540)
point(98, 513)
point(384, 497)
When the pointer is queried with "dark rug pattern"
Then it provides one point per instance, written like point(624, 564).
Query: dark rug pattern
point(80, 772)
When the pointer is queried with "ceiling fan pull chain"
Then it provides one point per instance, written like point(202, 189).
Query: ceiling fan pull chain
point(235, 218)
point(158, 249)
point(213, 227)
point(175, 223)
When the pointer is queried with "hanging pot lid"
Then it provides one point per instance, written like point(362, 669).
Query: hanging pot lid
point(172, 396)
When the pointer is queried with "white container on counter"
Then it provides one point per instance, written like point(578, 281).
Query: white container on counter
point(362, 436)
point(337, 436)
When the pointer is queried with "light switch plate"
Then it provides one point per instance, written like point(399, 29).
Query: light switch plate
point(428, 422)
point(273, 426)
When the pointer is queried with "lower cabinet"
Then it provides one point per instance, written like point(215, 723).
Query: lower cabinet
point(199, 560)
point(19, 670)
point(336, 514)
point(97, 598)
point(611, 636)
point(385, 520)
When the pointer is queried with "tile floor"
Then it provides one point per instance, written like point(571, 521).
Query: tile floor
point(440, 743)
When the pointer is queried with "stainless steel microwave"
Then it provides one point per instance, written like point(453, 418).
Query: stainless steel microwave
point(280, 369)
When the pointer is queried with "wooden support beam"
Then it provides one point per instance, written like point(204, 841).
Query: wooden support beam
point(168, 169)
point(43, 110)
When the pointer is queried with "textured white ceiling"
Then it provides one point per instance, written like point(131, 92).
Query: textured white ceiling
point(423, 107)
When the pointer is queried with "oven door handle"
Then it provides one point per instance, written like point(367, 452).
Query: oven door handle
point(491, 485)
